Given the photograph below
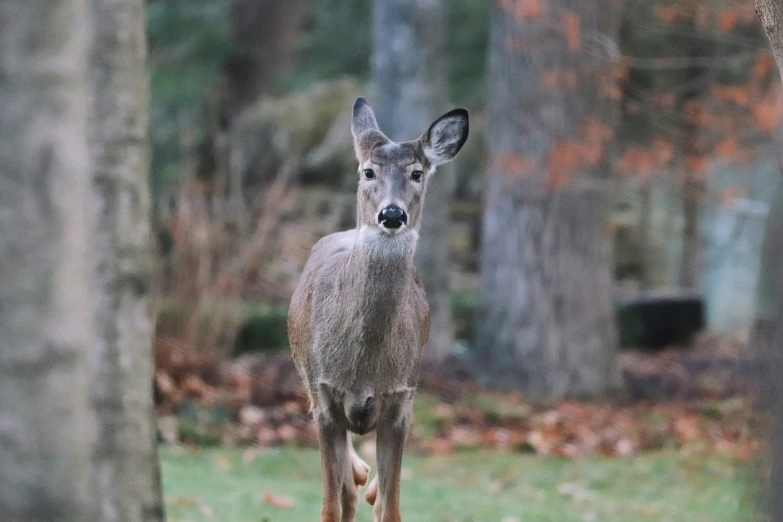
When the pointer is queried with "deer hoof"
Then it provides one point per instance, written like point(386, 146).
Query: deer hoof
point(372, 491)
point(361, 471)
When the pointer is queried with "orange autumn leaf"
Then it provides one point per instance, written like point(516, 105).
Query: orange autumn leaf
point(562, 160)
point(738, 94)
point(727, 19)
point(559, 77)
point(638, 161)
point(523, 9)
point(726, 147)
point(572, 34)
point(566, 156)
point(768, 112)
point(697, 164)
point(595, 130)
point(512, 164)
point(763, 65)
point(666, 13)
point(666, 99)
point(662, 150)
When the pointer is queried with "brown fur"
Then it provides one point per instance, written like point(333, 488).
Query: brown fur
point(359, 317)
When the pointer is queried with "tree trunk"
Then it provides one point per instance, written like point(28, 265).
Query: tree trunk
point(267, 33)
point(693, 148)
point(546, 321)
point(769, 326)
point(771, 269)
point(44, 302)
point(410, 78)
point(125, 476)
point(768, 341)
point(691, 260)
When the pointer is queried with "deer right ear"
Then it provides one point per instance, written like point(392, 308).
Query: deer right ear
point(365, 130)
point(363, 118)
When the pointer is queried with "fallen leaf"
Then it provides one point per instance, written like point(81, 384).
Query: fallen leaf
point(522, 9)
point(182, 500)
point(727, 19)
point(278, 501)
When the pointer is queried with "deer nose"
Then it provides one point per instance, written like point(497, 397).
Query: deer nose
point(392, 217)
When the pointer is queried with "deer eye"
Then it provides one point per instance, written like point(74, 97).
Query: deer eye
point(416, 175)
point(369, 173)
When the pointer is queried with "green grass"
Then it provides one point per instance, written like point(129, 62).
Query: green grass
point(229, 486)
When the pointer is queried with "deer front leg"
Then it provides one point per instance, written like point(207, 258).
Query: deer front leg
point(334, 457)
point(391, 433)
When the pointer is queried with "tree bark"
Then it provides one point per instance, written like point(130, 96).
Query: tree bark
point(769, 326)
point(410, 77)
point(768, 341)
point(546, 320)
point(125, 475)
point(267, 33)
point(44, 301)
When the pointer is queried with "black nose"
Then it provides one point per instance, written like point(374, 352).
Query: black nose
point(392, 217)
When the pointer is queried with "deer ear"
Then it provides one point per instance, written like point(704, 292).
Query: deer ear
point(446, 136)
point(363, 118)
point(364, 128)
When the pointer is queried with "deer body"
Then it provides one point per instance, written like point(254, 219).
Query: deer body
point(359, 317)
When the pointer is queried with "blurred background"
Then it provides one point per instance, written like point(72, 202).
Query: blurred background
point(601, 259)
point(599, 236)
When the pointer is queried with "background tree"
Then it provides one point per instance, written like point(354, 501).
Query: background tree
point(44, 299)
point(545, 322)
point(125, 475)
point(266, 34)
point(409, 70)
point(769, 329)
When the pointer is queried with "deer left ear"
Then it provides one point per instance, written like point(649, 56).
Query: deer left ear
point(446, 136)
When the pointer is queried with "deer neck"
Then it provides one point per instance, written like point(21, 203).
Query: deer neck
point(382, 272)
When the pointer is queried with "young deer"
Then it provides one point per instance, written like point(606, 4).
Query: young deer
point(359, 318)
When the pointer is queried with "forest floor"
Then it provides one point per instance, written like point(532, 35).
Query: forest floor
point(283, 484)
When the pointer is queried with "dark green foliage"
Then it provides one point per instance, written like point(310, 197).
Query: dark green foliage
point(337, 42)
point(263, 330)
point(188, 41)
point(258, 326)
point(466, 49)
point(463, 311)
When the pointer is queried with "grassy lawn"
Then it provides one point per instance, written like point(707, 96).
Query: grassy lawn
point(230, 486)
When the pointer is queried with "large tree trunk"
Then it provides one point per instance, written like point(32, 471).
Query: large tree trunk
point(267, 34)
point(768, 340)
point(44, 302)
point(125, 477)
point(546, 323)
point(410, 78)
point(769, 326)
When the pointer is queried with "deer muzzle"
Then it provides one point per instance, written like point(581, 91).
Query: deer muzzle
point(392, 217)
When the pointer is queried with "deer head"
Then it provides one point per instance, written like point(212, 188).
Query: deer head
point(393, 176)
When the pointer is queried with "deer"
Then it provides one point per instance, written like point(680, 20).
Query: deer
point(359, 319)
